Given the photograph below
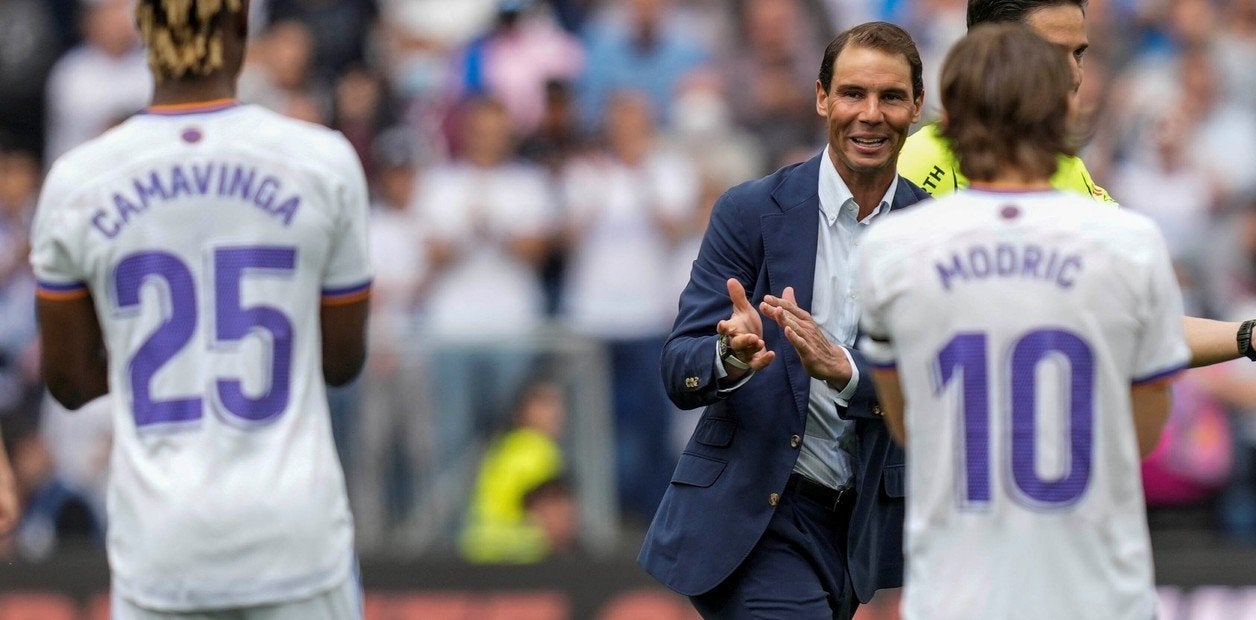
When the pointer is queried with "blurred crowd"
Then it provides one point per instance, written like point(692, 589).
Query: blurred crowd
point(547, 167)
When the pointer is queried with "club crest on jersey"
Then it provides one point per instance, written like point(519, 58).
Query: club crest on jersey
point(219, 180)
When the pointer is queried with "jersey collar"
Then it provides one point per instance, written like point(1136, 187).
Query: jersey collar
point(197, 107)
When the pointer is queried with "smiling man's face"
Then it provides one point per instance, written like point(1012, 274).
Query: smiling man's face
point(869, 108)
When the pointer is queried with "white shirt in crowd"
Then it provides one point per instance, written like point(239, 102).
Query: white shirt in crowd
point(487, 290)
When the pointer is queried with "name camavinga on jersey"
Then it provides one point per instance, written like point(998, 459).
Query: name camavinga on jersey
point(221, 180)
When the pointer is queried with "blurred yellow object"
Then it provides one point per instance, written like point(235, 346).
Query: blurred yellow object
point(498, 530)
point(927, 161)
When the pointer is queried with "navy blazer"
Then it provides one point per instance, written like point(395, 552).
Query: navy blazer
point(724, 490)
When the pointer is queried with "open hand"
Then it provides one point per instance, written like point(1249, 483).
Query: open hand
point(745, 331)
point(821, 358)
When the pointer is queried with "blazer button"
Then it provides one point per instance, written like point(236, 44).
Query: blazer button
point(794, 440)
point(774, 499)
point(876, 410)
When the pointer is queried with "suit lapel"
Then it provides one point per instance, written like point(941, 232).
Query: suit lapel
point(789, 250)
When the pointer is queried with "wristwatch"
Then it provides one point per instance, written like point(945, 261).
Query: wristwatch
point(1244, 338)
point(728, 357)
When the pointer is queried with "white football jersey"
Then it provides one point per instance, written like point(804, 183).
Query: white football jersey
point(208, 236)
point(1017, 323)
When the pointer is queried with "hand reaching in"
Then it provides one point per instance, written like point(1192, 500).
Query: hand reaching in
point(745, 331)
point(822, 358)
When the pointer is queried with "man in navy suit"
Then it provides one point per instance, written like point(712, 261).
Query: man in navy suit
point(788, 499)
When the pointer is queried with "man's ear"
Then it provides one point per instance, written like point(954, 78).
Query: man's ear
point(920, 107)
point(822, 94)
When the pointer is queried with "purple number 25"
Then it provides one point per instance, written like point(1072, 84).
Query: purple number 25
point(968, 353)
point(233, 322)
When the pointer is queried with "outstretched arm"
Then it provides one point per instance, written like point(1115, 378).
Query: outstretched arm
point(1151, 404)
point(1212, 342)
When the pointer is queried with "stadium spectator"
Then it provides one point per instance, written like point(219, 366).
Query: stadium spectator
point(395, 423)
point(363, 107)
point(1024, 397)
point(1166, 185)
point(100, 82)
point(627, 206)
point(1231, 263)
point(29, 45)
point(500, 528)
point(279, 73)
point(340, 30)
point(552, 506)
point(488, 220)
point(788, 498)
point(639, 49)
point(53, 513)
point(514, 61)
point(1234, 49)
point(20, 387)
point(780, 45)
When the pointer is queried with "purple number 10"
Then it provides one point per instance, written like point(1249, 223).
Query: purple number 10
point(968, 353)
point(233, 322)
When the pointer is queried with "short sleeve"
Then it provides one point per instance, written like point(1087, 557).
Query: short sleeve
point(1071, 175)
point(53, 254)
point(875, 344)
point(927, 161)
point(348, 274)
point(1162, 349)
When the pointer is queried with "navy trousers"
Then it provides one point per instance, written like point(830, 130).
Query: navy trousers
point(797, 571)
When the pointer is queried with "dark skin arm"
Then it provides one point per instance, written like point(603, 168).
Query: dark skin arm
point(74, 365)
point(344, 340)
point(75, 368)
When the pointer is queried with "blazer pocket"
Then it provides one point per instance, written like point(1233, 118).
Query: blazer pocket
point(715, 432)
point(894, 481)
point(698, 471)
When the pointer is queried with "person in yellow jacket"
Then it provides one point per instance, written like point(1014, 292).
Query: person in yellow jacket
point(928, 161)
point(499, 529)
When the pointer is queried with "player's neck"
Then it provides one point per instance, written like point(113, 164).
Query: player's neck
point(177, 92)
point(1012, 179)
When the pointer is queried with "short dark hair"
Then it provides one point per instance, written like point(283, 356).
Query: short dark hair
point(1000, 11)
point(1006, 95)
point(882, 36)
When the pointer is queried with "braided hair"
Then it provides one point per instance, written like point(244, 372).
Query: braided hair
point(185, 37)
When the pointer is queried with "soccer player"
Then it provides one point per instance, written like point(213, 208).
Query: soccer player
point(205, 263)
point(1030, 338)
point(930, 162)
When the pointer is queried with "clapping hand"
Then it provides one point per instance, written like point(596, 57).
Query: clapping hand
point(821, 358)
point(745, 331)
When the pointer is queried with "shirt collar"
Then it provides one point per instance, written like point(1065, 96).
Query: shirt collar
point(836, 197)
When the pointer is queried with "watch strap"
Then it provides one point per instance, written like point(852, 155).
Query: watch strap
point(1244, 338)
point(728, 357)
